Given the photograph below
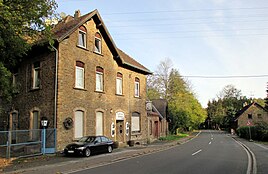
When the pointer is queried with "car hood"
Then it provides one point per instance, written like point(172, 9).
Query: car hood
point(76, 144)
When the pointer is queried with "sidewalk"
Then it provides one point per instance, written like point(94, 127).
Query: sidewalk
point(61, 164)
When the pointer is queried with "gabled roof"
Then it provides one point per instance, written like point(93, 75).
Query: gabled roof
point(161, 105)
point(240, 112)
point(70, 24)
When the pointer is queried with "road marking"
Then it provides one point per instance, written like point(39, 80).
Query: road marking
point(197, 152)
point(212, 138)
point(209, 142)
point(261, 146)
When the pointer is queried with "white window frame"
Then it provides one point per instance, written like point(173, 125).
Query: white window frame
point(99, 123)
point(79, 124)
point(79, 81)
point(119, 85)
point(137, 89)
point(99, 81)
point(82, 39)
point(97, 45)
point(135, 122)
point(36, 76)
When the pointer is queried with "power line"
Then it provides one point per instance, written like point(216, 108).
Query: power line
point(225, 77)
point(187, 37)
point(173, 24)
point(186, 10)
point(191, 31)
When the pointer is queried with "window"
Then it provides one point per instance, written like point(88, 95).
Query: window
point(36, 75)
point(135, 122)
point(99, 79)
point(137, 87)
point(79, 75)
point(97, 47)
point(119, 84)
point(104, 139)
point(99, 123)
point(259, 116)
point(78, 124)
point(249, 116)
point(82, 37)
point(34, 122)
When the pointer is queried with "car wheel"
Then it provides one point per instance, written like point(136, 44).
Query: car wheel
point(87, 152)
point(110, 149)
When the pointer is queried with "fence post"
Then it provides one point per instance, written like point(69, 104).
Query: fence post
point(8, 145)
point(44, 141)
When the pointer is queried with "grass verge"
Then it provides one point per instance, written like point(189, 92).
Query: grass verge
point(173, 137)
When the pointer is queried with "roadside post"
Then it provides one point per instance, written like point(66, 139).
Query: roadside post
point(44, 124)
point(249, 124)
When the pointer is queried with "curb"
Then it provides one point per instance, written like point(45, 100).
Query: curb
point(252, 162)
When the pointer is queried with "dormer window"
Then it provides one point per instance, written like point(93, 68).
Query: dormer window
point(82, 37)
point(97, 47)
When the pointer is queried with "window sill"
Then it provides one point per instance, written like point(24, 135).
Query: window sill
point(100, 92)
point(98, 53)
point(137, 97)
point(84, 48)
point(35, 89)
point(120, 95)
point(135, 133)
point(82, 89)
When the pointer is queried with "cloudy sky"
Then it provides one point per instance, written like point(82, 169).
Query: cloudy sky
point(212, 42)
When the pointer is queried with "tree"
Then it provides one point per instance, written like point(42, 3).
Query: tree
point(22, 23)
point(160, 80)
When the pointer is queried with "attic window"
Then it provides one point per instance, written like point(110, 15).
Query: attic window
point(97, 47)
point(82, 39)
point(249, 116)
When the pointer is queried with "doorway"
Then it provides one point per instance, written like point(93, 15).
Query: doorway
point(120, 130)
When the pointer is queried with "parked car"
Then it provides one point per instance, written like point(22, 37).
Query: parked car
point(88, 145)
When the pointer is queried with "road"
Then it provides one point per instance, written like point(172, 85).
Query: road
point(210, 152)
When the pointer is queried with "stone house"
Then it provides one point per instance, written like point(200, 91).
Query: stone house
point(84, 85)
point(157, 119)
point(251, 114)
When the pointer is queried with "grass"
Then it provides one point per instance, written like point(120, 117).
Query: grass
point(173, 137)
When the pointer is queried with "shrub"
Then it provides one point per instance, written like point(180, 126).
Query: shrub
point(258, 132)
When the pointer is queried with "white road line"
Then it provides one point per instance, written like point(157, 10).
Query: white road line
point(197, 152)
point(209, 142)
point(212, 138)
point(261, 146)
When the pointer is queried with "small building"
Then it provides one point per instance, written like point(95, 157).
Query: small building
point(250, 115)
point(83, 85)
point(157, 119)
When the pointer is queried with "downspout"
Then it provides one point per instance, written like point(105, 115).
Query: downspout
point(56, 86)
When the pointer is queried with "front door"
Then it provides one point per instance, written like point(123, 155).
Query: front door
point(156, 132)
point(120, 130)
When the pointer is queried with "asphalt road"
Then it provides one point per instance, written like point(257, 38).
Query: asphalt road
point(210, 152)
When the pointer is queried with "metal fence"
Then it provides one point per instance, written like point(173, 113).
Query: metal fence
point(22, 143)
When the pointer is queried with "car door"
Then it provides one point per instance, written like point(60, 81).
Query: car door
point(97, 145)
point(104, 145)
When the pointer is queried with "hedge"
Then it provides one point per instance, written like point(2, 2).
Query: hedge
point(259, 132)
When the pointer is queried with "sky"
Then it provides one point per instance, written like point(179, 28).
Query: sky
point(213, 43)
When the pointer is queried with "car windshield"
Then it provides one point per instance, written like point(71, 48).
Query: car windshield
point(86, 139)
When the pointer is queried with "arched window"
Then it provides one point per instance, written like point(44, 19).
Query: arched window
point(99, 79)
point(79, 75)
point(97, 47)
point(82, 37)
point(119, 84)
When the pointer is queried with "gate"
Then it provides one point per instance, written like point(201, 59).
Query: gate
point(22, 143)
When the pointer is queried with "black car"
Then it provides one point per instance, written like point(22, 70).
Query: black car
point(90, 144)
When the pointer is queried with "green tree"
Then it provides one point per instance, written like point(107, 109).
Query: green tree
point(22, 23)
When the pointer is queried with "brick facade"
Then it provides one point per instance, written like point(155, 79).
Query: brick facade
point(254, 113)
point(88, 101)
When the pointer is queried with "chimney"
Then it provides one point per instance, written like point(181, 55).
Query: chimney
point(77, 14)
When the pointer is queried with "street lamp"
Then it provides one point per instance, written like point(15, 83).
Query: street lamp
point(44, 124)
